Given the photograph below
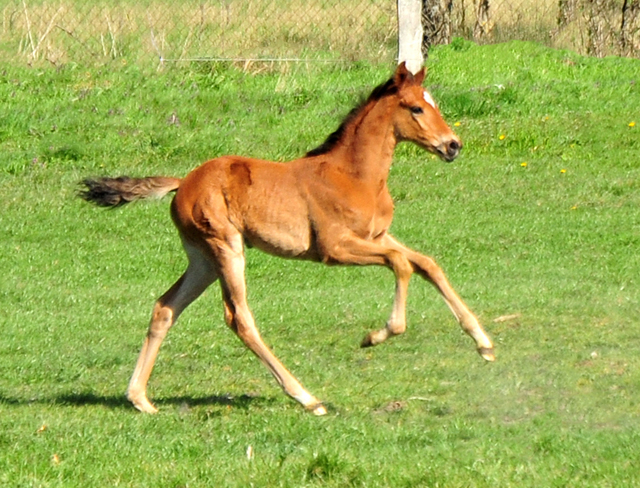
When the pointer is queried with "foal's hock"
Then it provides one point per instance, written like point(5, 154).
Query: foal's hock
point(331, 206)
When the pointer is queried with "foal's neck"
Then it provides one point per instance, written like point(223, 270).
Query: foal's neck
point(370, 141)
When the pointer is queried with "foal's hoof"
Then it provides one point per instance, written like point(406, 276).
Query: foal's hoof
point(142, 404)
point(487, 353)
point(367, 342)
point(375, 337)
point(318, 409)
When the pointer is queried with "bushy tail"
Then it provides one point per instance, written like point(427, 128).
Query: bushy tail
point(113, 192)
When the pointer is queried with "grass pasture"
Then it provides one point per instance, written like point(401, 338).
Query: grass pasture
point(537, 225)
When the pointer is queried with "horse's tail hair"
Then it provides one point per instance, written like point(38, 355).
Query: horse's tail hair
point(114, 192)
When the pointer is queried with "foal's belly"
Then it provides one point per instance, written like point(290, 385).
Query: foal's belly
point(281, 244)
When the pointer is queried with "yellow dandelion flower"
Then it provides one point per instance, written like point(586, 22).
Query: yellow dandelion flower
point(632, 124)
point(563, 171)
point(575, 207)
point(457, 124)
point(524, 165)
point(501, 137)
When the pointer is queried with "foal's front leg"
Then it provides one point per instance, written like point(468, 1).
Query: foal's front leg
point(397, 322)
point(353, 250)
point(429, 270)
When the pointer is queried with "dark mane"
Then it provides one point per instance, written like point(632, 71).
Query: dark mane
point(387, 88)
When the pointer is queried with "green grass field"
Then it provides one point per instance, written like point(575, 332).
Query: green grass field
point(537, 225)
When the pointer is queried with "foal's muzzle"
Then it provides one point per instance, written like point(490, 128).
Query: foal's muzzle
point(450, 149)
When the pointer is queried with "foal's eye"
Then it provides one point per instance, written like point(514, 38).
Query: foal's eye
point(416, 110)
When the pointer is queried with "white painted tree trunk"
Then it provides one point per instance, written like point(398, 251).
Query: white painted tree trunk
point(410, 34)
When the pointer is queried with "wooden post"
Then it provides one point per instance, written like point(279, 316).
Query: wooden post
point(597, 13)
point(484, 24)
point(630, 28)
point(410, 34)
point(436, 22)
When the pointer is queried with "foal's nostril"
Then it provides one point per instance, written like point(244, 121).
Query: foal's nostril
point(453, 148)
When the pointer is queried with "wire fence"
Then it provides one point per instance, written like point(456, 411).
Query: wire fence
point(592, 27)
point(61, 31)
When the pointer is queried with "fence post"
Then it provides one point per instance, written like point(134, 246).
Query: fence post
point(630, 28)
point(484, 24)
point(597, 14)
point(410, 34)
point(566, 12)
point(436, 22)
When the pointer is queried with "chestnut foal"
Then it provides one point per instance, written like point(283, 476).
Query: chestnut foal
point(331, 206)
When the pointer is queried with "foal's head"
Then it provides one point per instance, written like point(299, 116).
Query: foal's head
point(418, 119)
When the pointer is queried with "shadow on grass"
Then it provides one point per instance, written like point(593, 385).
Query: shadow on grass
point(120, 402)
point(241, 401)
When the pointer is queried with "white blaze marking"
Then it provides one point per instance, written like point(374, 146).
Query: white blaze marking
point(428, 99)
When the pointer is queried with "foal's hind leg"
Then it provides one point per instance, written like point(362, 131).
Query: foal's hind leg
point(194, 281)
point(231, 263)
point(428, 269)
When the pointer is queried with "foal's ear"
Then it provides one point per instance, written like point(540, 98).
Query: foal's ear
point(402, 75)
